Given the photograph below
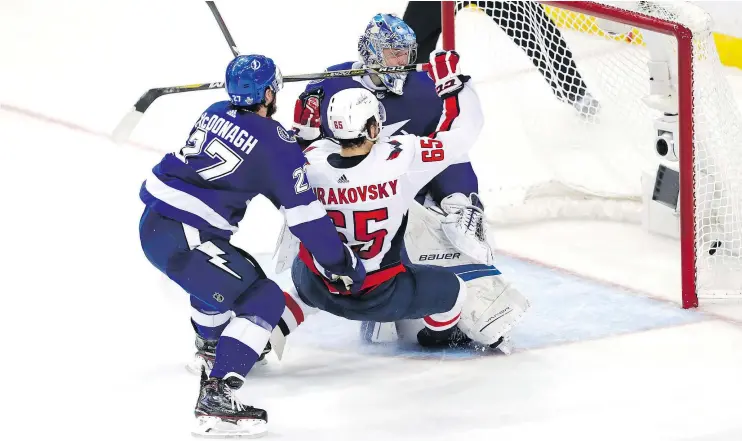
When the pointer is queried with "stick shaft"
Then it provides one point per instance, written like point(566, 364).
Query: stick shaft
point(223, 27)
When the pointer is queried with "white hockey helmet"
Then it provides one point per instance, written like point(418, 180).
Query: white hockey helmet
point(350, 109)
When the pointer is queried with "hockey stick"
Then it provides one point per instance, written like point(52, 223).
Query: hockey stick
point(223, 27)
point(124, 129)
point(127, 125)
point(354, 72)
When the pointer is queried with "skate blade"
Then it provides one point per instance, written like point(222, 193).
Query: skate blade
point(214, 427)
point(505, 347)
point(194, 367)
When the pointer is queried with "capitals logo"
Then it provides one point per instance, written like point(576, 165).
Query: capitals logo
point(395, 151)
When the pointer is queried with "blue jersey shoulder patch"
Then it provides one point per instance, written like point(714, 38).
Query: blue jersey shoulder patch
point(285, 134)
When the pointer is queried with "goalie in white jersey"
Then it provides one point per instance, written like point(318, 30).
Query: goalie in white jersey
point(367, 187)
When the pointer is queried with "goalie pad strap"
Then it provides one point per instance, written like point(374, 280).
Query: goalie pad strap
point(474, 271)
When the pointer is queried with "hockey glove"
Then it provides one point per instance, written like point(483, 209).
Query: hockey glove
point(307, 117)
point(444, 70)
point(352, 277)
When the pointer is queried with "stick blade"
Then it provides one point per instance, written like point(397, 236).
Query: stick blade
point(124, 129)
point(278, 342)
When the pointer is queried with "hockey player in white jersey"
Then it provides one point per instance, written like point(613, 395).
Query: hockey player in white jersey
point(412, 107)
point(367, 186)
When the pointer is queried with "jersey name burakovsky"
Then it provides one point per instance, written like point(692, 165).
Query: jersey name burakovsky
point(354, 195)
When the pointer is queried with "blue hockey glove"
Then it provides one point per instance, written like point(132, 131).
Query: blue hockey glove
point(350, 280)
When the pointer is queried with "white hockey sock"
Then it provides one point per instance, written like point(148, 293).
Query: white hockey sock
point(293, 315)
point(210, 324)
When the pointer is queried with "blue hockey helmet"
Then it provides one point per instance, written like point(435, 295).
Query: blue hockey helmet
point(248, 76)
point(387, 31)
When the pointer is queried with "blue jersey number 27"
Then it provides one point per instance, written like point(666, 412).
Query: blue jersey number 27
point(228, 159)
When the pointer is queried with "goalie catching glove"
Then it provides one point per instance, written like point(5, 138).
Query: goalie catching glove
point(444, 71)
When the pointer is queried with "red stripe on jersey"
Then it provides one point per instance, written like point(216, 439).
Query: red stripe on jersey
point(373, 279)
point(294, 308)
point(451, 111)
point(436, 324)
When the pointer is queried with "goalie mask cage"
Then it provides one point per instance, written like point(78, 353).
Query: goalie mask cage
point(579, 158)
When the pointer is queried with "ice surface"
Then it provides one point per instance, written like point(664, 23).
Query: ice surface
point(97, 339)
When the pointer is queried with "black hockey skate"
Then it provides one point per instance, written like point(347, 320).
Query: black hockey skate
point(220, 413)
point(265, 352)
point(450, 338)
point(204, 356)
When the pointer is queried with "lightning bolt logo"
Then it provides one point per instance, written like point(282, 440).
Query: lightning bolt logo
point(214, 252)
point(391, 129)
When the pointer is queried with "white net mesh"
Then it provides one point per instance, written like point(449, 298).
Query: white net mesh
point(573, 137)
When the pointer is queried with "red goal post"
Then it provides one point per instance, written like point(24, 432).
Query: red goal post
point(687, 204)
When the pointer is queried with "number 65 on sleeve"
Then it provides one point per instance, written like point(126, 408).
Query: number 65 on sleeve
point(432, 150)
point(429, 159)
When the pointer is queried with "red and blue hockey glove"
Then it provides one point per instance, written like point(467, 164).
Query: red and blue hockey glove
point(307, 123)
point(444, 70)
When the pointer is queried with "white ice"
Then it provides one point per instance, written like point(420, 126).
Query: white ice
point(97, 339)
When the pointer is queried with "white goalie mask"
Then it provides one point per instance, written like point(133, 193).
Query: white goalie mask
point(350, 109)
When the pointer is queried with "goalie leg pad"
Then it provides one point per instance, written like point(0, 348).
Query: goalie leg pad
point(492, 309)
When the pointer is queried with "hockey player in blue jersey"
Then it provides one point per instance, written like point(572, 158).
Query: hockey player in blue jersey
point(194, 200)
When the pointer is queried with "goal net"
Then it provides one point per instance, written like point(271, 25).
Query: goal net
point(577, 96)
